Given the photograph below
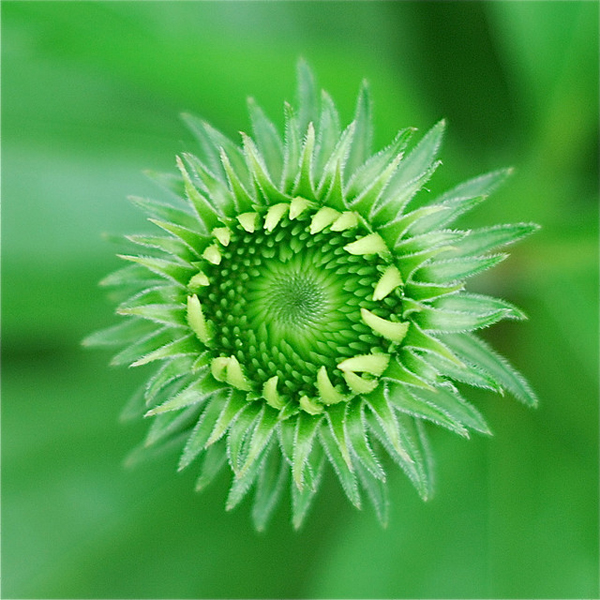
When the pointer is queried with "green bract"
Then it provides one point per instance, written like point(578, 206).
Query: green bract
point(302, 313)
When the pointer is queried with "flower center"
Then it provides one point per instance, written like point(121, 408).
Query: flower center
point(286, 301)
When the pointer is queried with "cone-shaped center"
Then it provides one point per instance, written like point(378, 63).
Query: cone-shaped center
point(296, 300)
point(287, 302)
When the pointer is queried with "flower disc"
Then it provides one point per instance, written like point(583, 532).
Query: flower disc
point(304, 314)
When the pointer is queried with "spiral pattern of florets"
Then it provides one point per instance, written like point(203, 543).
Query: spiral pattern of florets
point(302, 315)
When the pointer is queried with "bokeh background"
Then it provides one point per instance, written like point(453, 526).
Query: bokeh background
point(91, 97)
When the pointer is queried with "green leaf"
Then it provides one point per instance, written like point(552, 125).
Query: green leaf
point(303, 184)
point(476, 352)
point(171, 370)
point(239, 432)
point(241, 485)
point(306, 427)
point(458, 409)
point(236, 403)
point(212, 141)
point(214, 459)
point(199, 436)
point(218, 193)
point(260, 437)
point(144, 346)
point(389, 207)
point(267, 140)
point(365, 202)
point(337, 161)
point(483, 240)
point(166, 212)
point(478, 304)
point(377, 492)
point(429, 241)
point(363, 138)
point(328, 134)
point(302, 498)
point(471, 375)
point(269, 487)
point(345, 475)
point(306, 95)
point(448, 321)
point(412, 404)
point(164, 314)
point(414, 167)
point(178, 272)
point(291, 149)
point(132, 276)
point(199, 391)
point(377, 164)
point(397, 372)
point(125, 332)
point(419, 340)
point(169, 424)
point(260, 173)
point(446, 271)
point(336, 416)
point(462, 198)
point(208, 215)
point(168, 245)
point(411, 460)
point(358, 438)
point(185, 345)
point(192, 239)
point(378, 403)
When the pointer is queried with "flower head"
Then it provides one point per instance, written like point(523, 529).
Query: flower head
point(303, 313)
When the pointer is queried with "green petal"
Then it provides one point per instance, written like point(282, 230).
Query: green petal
point(213, 461)
point(267, 140)
point(377, 492)
point(416, 406)
point(306, 428)
point(269, 487)
point(363, 139)
point(201, 432)
point(340, 466)
point(455, 406)
point(446, 271)
point(474, 351)
point(358, 439)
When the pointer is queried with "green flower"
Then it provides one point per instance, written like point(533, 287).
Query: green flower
point(302, 314)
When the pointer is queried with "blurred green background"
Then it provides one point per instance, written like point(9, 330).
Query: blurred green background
point(91, 97)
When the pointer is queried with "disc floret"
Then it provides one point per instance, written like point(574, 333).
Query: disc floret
point(303, 314)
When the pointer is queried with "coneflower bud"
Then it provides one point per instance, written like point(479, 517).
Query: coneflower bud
point(302, 313)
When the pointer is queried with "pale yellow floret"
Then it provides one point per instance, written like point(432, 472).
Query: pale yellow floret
point(196, 320)
point(212, 254)
point(274, 215)
point(235, 375)
point(297, 206)
point(249, 221)
point(197, 281)
point(322, 218)
point(375, 364)
point(370, 244)
point(347, 220)
point(223, 234)
point(310, 406)
point(359, 385)
point(389, 281)
point(270, 393)
point(218, 367)
point(327, 393)
point(390, 330)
